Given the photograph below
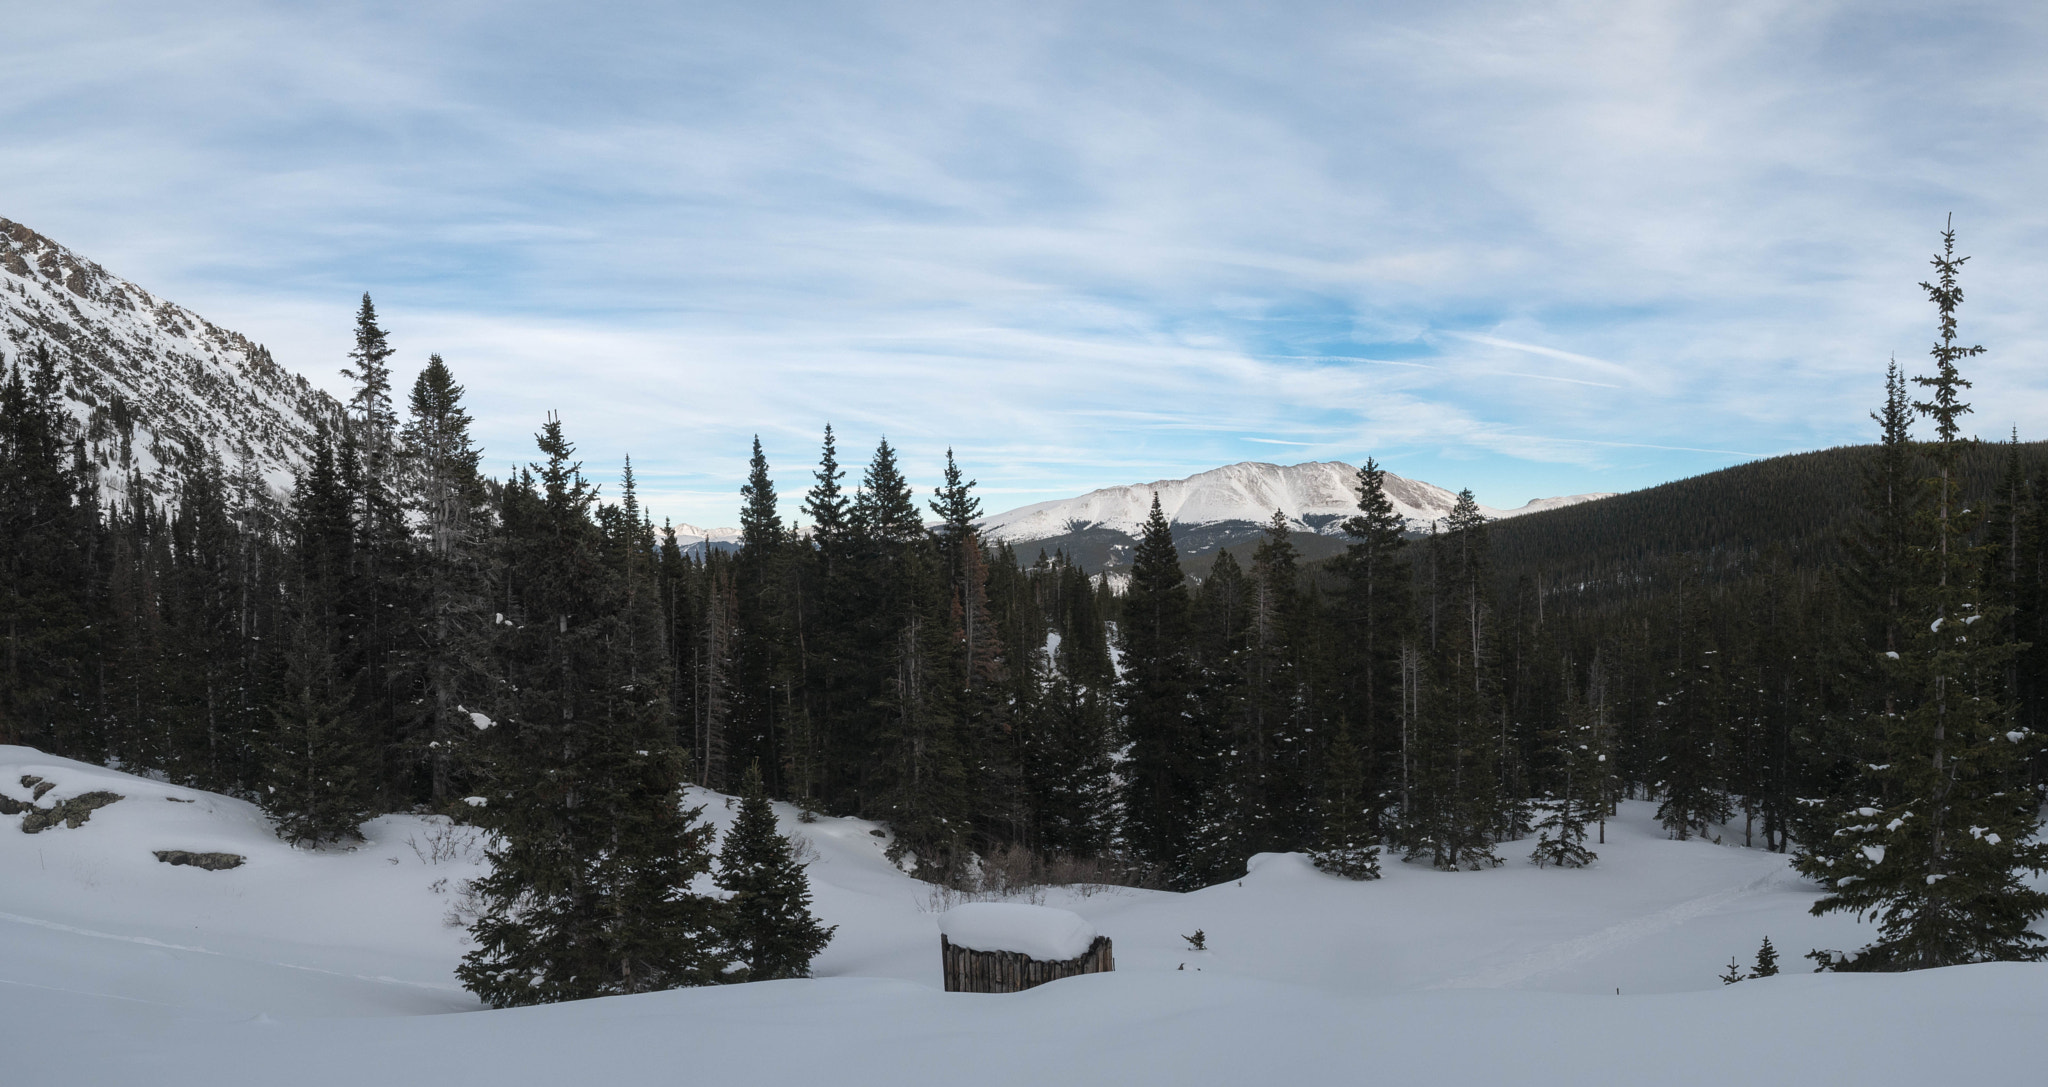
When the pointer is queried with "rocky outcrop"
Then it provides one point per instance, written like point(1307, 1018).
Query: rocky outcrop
point(212, 862)
point(72, 813)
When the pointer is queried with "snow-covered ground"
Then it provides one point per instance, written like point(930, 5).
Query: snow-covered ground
point(336, 968)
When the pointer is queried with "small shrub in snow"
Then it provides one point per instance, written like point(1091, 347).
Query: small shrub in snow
point(450, 842)
point(1351, 862)
point(1766, 960)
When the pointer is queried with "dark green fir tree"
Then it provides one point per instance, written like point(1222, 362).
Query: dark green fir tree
point(1163, 771)
point(319, 766)
point(589, 889)
point(768, 917)
point(1937, 856)
point(1346, 845)
point(446, 659)
point(1561, 837)
point(1766, 960)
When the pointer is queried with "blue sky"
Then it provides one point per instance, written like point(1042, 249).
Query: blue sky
point(1528, 248)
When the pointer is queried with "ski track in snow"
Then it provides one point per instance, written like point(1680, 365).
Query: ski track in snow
point(82, 992)
point(146, 941)
point(1564, 953)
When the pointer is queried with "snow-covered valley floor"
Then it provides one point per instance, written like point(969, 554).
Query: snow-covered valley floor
point(313, 968)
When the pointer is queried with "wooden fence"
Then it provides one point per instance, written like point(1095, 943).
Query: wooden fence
point(970, 971)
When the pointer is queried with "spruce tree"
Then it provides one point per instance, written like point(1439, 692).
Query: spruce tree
point(712, 701)
point(1937, 856)
point(1346, 845)
point(1456, 809)
point(904, 719)
point(828, 651)
point(1692, 715)
point(320, 765)
point(204, 621)
point(1562, 828)
point(593, 855)
point(1279, 703)
point(370, 404)
point(826, 503)
point(762, 668)
point(447, 656)
point(1226, 767)
point(1376, 612)
point(1766, 961)
point(1873, 581)
point(49, 530)
point(374, 598)
point(1066, 715)
point(955, 503)
point(1163, 767)
point(1068, 764)
point(768, 917)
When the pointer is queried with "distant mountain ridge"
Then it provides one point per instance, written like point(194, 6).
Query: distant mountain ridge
point(153, 385)
point(1226, 507)
point(1316, 497)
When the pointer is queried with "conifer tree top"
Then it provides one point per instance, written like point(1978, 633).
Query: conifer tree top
point(826, 503)
point(956, 506)
point(885, 506)
point(760, 522)
point(1946, 406)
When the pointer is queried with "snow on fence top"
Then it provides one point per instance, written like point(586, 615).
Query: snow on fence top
point(1042, 933)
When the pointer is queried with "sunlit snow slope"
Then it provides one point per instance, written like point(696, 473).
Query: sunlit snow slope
point(335, 968)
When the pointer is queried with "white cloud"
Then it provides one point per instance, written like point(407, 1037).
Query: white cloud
point(1495, 245)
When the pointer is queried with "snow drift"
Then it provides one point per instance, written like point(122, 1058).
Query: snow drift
point(335, 967)
point(1045, 934)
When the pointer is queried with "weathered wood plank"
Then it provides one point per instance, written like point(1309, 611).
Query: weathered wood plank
point(970, 971)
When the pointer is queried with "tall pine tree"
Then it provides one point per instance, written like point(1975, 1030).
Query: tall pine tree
point(1163, 767)
point(1937, 857)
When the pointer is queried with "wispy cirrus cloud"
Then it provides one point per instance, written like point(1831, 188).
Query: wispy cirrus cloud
point(1533, 249)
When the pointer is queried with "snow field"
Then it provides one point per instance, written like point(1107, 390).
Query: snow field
point(336, 967)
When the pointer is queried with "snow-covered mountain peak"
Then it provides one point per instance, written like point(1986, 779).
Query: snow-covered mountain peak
point(152, 384)
point(1314, 497)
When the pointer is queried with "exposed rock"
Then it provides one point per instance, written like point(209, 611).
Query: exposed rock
point(212, 862)
point(72, 813)
point(153, 388)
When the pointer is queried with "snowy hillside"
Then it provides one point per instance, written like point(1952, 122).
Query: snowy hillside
point(1316, 497)
point(152, 383)
point(336, 968)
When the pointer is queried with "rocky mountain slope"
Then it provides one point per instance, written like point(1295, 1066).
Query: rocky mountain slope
point(153, 385)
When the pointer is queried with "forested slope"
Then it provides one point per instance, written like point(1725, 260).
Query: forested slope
point(1720, 522)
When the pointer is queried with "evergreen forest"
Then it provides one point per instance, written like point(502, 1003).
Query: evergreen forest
point(1842, 655)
